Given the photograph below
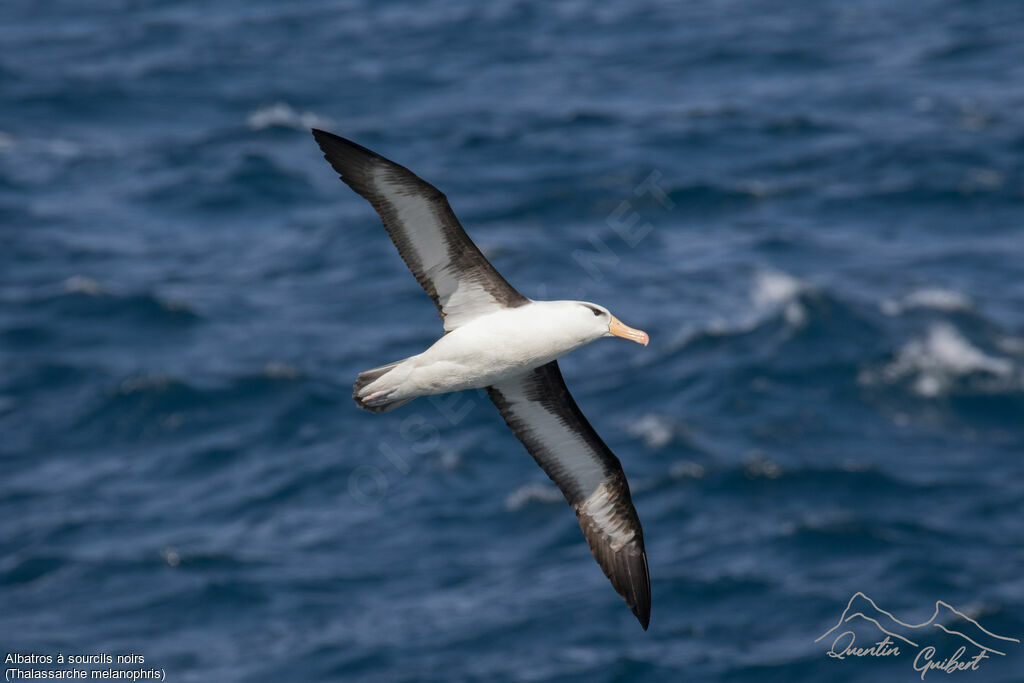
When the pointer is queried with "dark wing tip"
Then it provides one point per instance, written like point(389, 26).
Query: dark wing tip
point(631, 579)
point(329, 142)
point(627, 571)
point(642, 606)
point(353, 162)
point(625, 567)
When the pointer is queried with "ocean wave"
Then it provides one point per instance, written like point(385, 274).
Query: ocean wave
point(32, 568)
point(758, 472)
point(687, 469)
point(843, 534)
point(943, 361)
point(79, 284)
point(714, 195)
point(771, 292)
point(961, 185)
point(84, 297)
point(933, 298)
point(656, 431)
point(281, 370)
point(528, 494)
point(854, 476)
point(1011, 345)
point(28, 336)
point(784, 309)
point(775, 287)
point(156, 405)
point(247, 181)
point(283, 115)
point(778, 289)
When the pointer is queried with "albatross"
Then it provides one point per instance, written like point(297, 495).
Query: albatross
point(496, 338)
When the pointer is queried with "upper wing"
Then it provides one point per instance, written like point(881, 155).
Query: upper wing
point(429, 238)
point(540, 410)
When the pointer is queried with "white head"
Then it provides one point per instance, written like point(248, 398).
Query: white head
point(591, 322)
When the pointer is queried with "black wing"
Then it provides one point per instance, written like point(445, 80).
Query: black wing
point(540, 410)
point(446, 263)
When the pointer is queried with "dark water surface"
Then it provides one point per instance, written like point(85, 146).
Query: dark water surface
point(833, 282)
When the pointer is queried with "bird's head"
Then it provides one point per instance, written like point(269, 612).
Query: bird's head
point(600, 323)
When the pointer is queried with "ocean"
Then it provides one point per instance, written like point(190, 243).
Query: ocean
point(815, 209)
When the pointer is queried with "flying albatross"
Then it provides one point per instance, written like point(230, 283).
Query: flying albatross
point(496, 338)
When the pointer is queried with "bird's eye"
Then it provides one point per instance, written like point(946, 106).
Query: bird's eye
point(595, 311)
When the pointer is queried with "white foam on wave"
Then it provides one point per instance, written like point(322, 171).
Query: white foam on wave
point(283, 115)
point(529, 493)
point(775, 289)
point(934, 298)
point(79, 284)
point(771, 292)
point(935, 361)
point(655, 430)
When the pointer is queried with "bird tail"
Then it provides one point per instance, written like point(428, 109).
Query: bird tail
point(377, 399)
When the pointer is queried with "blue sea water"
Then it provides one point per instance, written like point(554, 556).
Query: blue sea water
point(816, 209)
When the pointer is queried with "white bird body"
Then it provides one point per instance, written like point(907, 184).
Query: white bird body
point(489, 350)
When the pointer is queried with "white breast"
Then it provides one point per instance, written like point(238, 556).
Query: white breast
point(495, 347)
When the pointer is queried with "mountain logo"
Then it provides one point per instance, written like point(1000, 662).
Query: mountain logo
point(947, 624)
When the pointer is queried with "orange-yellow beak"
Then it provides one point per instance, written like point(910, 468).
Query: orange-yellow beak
point(619, 330)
